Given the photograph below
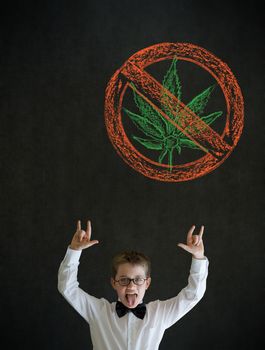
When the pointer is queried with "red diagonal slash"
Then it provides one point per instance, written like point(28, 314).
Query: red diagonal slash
point(187, 122)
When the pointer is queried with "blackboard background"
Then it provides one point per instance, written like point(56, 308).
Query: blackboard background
point(58, 166)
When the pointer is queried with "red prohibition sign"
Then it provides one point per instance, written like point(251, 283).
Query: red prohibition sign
point(217, 147)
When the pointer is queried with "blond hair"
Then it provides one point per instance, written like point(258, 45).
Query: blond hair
point(132, 257)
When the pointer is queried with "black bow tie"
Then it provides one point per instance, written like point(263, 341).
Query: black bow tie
point(138, 311)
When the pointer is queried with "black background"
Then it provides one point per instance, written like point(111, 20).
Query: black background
point(58, 166)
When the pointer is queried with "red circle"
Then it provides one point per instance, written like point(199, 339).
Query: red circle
point(183, 51)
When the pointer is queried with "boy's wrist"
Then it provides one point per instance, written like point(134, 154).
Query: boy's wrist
point(198, 257)
point(74, 247)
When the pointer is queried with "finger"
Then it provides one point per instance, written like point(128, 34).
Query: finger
point(185, 247)
point(200, 244)
point(196, 240)
point(81, 235)
point(201, 232)
point(88, 230)
point(93, 242)
point(189, 235)
point(78, 228)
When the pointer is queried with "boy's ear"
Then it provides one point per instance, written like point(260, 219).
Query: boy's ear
point(112, 282)
point(148, 282)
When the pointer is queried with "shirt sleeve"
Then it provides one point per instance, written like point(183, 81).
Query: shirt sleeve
point(175, 308)
point(85, 304)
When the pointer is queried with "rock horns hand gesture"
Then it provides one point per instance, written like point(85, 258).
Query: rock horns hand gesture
point(194, 243)
point(82, 239)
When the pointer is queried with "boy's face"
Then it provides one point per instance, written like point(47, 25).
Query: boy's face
point(130, 295)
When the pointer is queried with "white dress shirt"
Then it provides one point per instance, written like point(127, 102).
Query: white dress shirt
point(108, 331)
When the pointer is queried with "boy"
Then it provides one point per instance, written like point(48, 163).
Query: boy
point(129, 324)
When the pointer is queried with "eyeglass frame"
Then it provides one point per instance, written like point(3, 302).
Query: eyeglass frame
point(130, 280)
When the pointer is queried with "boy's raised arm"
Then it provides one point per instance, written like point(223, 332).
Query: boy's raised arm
point(82, 239)
point(176, 307)
point(68, 284)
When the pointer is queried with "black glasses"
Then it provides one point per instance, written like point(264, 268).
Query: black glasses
point(125, 281)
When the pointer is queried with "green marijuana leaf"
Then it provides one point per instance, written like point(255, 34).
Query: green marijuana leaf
point(161, 135)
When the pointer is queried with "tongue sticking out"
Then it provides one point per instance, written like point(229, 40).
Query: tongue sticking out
point(131, 298)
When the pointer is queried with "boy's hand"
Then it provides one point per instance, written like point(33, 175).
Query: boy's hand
point(81, 239)
point(194, 243)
